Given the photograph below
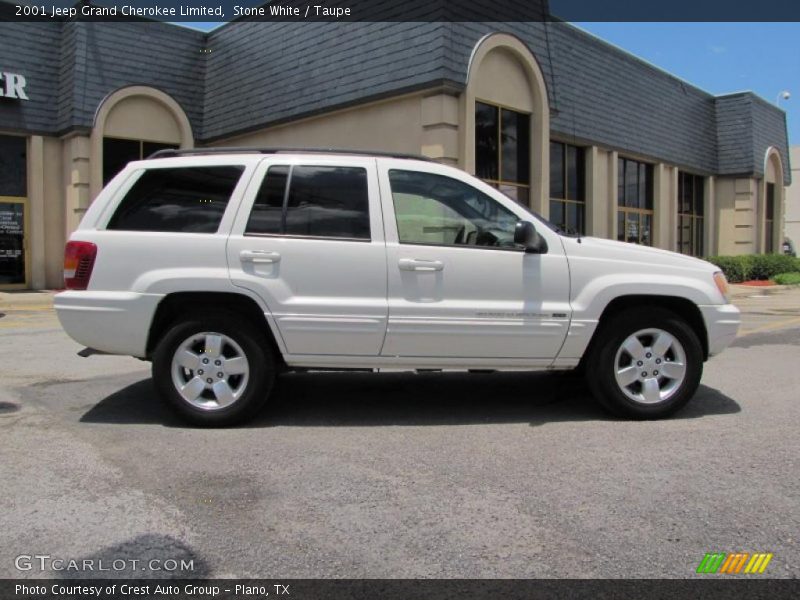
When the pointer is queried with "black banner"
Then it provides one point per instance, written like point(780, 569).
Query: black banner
point(398, 589)
point(400, 10)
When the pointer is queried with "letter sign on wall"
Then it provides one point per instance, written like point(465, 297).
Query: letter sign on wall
point(12, 85)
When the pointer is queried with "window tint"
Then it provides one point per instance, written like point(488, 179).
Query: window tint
point(433, 209)
point(322, 201)
point(187, 199)
point(328, 202)
point(769, 220)
point(631, 185)
point(557, 171)
point(118, 152)
point(770, 208)
point(518, 193)
point(487, 151)
point(690, 213)
point(13, 166)
point(149, 148)
point(515, 134)
point(635, 184)
point(267, 213)
point(576, 174)
point(567, 187)
point(503, 149)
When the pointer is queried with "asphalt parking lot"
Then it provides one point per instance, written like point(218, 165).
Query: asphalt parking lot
point(400, 475)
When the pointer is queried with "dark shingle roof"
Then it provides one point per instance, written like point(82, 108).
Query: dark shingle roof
point(258, 74)
point(266, 72)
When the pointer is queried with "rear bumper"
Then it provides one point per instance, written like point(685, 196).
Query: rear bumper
point(112, 322)
point(722, 324)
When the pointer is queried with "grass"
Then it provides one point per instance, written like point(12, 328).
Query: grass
point(787, 278)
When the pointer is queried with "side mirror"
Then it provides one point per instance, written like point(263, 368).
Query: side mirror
point(525, 235)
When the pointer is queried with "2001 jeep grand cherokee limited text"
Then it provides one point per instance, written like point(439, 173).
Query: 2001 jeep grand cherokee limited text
point(224, 268)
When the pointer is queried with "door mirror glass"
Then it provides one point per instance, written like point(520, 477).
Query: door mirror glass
point(525, 235)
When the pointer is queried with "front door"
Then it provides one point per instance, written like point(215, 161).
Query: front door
point(13, 267)
point(308, 240)
point(458, 286)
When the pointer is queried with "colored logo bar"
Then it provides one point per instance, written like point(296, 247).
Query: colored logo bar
point(735, 562)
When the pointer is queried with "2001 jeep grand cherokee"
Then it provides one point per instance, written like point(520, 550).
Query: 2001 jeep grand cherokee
point(224, 268)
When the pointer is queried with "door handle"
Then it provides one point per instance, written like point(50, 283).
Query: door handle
point(417, 264)
point(259, 256)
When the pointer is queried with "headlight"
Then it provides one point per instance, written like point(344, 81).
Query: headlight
point(722, 284)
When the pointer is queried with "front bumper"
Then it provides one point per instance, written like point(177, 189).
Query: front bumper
point(722, 324)
point(111, 322)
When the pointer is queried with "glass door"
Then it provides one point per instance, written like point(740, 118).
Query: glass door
point(13, 262)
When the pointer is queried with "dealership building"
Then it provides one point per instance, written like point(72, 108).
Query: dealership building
point(586, 134)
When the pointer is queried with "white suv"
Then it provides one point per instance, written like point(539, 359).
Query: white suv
point(226, 267)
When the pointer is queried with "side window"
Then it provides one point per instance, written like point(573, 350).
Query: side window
point(183, 199)
point(433, 209)
point(267, 213)
point(322, 201)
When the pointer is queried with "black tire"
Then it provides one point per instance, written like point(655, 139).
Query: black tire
point(601, 362)
point(253, 344)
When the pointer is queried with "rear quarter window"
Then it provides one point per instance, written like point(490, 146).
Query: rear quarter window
point(181, 199)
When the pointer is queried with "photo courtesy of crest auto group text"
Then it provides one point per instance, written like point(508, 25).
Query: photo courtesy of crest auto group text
point(359, 299)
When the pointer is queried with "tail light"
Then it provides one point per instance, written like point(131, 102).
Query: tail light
point(78, 264)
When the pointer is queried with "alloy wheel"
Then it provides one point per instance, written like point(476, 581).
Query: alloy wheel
point(650, 366)
point(210, 370)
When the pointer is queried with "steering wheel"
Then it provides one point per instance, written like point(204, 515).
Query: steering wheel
point(487, 238)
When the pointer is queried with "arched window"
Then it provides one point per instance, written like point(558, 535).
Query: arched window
point(131, 124)
point(508, 120)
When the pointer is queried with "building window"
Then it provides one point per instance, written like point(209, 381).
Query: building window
point(13, 210)
point(503, 150)
point(118, 152)
point(567, 188)
point(13, 166)
point(691, 211)
point(769, 220)
point(634, 202)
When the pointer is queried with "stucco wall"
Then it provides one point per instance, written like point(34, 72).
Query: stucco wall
point(792, 206)
point(393, 125)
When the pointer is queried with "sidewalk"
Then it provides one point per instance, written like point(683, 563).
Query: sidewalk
point(745, 291)
point(26, 300)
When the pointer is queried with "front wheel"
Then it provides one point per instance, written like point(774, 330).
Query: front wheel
point(646, 364)
point(214, 369)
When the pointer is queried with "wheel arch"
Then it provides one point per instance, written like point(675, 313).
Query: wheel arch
point(177, 304)
point(682, 307)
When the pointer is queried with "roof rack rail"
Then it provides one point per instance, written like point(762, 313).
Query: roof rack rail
point(172, 152)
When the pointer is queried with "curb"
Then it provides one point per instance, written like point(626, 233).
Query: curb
point(738, 290)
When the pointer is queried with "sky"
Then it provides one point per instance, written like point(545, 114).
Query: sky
point(718, 57)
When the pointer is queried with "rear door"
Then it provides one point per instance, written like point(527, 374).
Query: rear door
point(308, 239)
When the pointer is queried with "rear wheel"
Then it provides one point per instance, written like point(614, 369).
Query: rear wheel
point(215, 369)
point(646, 364)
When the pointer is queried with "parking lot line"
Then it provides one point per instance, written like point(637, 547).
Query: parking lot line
point(769, 326)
